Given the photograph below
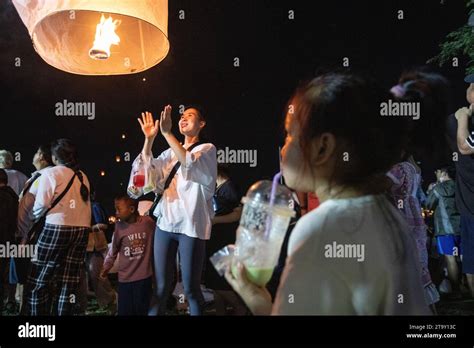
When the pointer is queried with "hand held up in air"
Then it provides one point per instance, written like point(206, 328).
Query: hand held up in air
point(165, 120)
point(148, 125)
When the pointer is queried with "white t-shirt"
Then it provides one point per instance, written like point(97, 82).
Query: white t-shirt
point(186, 206)
point(71, 210)
point(351, 257)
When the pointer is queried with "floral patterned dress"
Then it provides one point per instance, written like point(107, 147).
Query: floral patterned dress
point(406, 181)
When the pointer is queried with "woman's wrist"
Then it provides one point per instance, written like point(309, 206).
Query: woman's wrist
point(147, 146)
point(150, 140)
point(167, 135)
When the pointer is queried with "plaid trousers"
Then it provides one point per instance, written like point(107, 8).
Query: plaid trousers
point(60, 256)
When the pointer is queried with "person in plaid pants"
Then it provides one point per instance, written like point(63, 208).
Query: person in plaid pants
point(61, 245)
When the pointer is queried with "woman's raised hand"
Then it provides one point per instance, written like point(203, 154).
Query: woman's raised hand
point(149, 127)
point(165, 120)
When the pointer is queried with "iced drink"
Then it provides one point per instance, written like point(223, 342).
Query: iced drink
point(262, 230)
point(258, 276)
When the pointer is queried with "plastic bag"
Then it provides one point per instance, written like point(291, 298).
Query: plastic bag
point(151, 178)
point(222, 259)
point(142, 179)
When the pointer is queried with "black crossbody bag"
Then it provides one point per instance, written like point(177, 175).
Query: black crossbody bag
point(38, 226)
point(167, 183)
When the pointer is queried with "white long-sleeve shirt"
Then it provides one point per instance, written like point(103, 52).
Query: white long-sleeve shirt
point(71, 210)
point(351, 257)
point(186, 206)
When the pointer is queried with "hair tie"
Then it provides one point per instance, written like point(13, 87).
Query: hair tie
point(398, 91)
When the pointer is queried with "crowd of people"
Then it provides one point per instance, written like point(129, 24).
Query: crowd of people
point(357, 179)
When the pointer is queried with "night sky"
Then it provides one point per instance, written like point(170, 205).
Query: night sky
point(244, 105)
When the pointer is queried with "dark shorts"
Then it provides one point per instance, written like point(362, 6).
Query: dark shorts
point(134, 297)
point(449, 245)
point(467, 237)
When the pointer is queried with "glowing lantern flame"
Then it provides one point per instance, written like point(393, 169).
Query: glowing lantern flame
point(64, 31)
point(105, 36)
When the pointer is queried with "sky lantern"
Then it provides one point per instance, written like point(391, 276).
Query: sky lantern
point(98, 37)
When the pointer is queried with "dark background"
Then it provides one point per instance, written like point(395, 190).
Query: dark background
point(244, 105)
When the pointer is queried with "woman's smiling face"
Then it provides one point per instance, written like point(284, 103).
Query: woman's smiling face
point(190, 124)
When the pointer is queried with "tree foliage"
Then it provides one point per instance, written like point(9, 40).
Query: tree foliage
point(457, 43)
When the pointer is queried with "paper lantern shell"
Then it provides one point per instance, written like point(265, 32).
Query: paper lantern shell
point(63, 33)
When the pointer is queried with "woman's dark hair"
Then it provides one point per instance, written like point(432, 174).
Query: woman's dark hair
point(199, 110)
point(427, 135)
point(65, 152)
point(46, 152)
point(349, 107)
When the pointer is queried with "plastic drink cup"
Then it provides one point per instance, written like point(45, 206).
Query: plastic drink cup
point(262, 229)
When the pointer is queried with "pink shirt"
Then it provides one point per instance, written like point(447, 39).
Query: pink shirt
point(134, 243)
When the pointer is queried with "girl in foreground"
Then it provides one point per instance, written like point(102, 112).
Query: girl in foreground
point(353, 254)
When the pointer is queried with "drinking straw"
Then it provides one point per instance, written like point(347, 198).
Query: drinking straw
point(275, 183)
point(276, 178)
